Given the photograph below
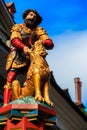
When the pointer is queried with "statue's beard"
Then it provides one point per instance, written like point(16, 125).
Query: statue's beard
point(30, 23)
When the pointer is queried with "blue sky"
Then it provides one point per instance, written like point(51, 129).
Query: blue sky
point(66, 24)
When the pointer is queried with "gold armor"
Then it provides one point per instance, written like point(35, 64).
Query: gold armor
point(25, 34)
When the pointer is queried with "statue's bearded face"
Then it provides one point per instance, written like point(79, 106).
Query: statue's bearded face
point(30, 20)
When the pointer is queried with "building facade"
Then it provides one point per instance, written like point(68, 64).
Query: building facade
point(6, 22)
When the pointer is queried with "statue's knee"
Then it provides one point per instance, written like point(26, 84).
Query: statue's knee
point(15, 84)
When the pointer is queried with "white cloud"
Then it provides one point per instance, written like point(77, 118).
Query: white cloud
point(68, 60)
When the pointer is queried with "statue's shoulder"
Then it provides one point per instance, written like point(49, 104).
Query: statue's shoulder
point(17, 27)
point(40, 30)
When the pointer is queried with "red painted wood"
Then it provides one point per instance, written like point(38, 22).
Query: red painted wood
point(23, 124)
point(27, 107)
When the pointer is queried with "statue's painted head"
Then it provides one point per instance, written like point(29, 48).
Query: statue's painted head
point(31, 18)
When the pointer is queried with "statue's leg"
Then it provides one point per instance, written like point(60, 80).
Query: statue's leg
point(28, 88)
point(7, 93)
point(46, 93)
point(37, 84)
point(16, 90)
point(7, 88)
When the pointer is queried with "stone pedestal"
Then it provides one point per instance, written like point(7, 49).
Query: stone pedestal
point(27, 117)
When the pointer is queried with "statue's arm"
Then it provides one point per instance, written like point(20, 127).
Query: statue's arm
point(16, 38)
point(43, 36)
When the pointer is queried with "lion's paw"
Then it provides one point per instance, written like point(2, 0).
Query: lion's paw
point(39, 98)
point(49, 102)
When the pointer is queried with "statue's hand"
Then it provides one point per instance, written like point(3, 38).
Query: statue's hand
point(26, 50)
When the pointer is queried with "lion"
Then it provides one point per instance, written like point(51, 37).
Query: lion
point(37, 78)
